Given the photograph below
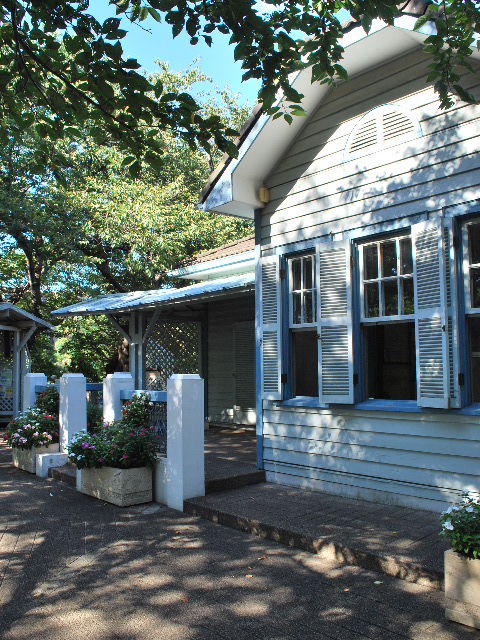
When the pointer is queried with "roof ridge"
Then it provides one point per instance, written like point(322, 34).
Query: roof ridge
point(222, 251)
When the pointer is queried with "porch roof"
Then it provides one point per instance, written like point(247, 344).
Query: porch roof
point(12, 316)
point(124, 302)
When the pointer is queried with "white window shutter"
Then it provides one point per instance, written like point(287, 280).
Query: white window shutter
point(334, 313)
point(271, 326)
point(431, 326)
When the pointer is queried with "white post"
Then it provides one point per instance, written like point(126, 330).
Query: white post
point(30, 381)
point(182, 474)
point(16, 373)
point(112, 385)
point(73, 407)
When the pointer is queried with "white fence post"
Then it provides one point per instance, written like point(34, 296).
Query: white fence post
point(112, 385)
point(73, 407)
point(30, 381)
point(182, 474)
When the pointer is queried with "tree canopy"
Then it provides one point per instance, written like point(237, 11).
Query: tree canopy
point(60, 67)
point(104, 231)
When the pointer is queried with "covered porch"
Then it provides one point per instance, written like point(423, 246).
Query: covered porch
point(16, 328)
point(205, 328)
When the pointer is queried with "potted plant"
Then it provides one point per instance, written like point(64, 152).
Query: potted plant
point(115, 464)
point(461, 525)
point(32, 433)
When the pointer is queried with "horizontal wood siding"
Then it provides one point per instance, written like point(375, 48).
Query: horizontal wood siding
point(418, 459)
point(412, 458)
point(221, 361)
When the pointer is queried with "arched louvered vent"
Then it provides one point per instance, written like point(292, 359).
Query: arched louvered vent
point(382, 127)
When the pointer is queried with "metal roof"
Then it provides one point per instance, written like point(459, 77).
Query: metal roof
point(12, 315)
point(199, 292)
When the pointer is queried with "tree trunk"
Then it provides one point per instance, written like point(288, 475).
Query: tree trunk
point(34, 270)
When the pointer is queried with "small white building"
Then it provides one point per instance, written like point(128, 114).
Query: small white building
point(367, 216)
point(16, 328)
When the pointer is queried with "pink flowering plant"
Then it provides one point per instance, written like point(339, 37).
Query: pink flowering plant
point(31, 429)
point(124, 444)
point(461, 525)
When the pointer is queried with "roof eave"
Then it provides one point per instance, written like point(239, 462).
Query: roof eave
point(235, 190)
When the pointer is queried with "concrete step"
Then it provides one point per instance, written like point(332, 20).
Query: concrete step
point(67, 474)
point(234, 482)
point(398, 567)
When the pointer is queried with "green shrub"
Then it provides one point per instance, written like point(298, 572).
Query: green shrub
point(49, 401)
point(94, 418)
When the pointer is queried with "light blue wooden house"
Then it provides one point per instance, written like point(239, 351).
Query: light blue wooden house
point(367, 216)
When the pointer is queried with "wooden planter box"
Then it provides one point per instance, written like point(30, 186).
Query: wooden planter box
point(462, 589)
point(123, 487)
point(26, 458)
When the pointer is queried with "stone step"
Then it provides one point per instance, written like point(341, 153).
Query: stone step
point(67, 474)
point(402, 568)
point(234, 482)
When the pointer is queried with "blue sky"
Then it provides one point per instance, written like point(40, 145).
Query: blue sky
point(155, 41)
point(151, 40)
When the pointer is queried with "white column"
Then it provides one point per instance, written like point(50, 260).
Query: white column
point(30, 381)
point(16, 373)
point(182, 474)
point(112, 385)
point(73, 407)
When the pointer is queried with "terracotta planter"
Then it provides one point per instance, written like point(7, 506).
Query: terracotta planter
point(462, 589)
point(123, 487)
point(26, 458)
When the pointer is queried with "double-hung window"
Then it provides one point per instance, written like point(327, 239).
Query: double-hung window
point(303, 325)
point(388, 318)
point(471, 243)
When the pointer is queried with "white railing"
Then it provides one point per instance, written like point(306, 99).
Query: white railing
point(180, 472)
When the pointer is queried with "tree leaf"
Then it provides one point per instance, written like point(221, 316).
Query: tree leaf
point(465, 95)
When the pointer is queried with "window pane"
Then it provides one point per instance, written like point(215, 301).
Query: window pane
point(371, 300)
point(406, 262)
point(297, 308)
point(308, 311)
point(475, 358)
point(297, 274)
point(475, 280)
point(305, 363)
point(390, 368)
point(408, 300)
point(389, 258)
point(390, 298)
point(307, 277)
point(474, 235)
point(370, 258)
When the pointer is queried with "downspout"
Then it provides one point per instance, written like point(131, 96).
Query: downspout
point(258, 354)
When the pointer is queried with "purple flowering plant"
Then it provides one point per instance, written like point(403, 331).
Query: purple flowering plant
point(82, 450)
point(124, 444)
point(461, 525)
